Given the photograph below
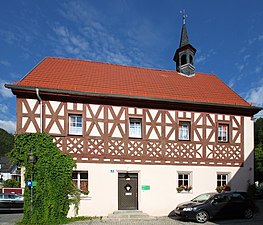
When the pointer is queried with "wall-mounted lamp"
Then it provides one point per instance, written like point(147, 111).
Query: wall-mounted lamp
point(31, 157)
point(127, 177)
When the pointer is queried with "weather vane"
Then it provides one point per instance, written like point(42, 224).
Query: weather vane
point(184, 15)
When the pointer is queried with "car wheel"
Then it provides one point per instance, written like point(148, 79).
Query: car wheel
point(202, 216)
point(248, 213)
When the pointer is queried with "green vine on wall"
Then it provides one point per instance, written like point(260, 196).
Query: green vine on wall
point(52, 171)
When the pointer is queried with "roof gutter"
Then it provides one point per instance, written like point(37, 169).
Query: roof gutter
point(92, 94)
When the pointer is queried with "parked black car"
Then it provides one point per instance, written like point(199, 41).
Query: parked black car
point(216, 205)
point(11, 202)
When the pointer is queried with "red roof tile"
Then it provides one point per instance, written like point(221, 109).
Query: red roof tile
point(103, 78)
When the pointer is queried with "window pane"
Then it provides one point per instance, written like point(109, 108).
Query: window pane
point(74, 175)
point(83, 175)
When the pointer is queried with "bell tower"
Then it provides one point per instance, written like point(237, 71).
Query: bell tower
point(184, 55)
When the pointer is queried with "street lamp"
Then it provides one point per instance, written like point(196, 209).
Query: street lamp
point(31, 159)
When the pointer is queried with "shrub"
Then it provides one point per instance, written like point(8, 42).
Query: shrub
point(52, 171)
point(11, 183)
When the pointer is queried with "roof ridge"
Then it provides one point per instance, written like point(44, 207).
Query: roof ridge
point(119, 65)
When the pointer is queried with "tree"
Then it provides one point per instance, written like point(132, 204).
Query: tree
point(6, 142)
point(259, 150)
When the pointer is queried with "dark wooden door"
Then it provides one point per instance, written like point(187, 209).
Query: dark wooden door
point(128, 191)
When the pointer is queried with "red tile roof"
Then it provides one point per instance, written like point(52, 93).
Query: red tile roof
point(102, 78)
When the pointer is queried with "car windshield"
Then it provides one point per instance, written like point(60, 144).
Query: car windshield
point(203, 197)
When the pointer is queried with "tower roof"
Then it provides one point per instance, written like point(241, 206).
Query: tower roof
point(184, 37)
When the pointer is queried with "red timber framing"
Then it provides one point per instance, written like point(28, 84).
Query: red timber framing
point(105, 137)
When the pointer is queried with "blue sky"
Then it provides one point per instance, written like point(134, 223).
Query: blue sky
point(228, 36)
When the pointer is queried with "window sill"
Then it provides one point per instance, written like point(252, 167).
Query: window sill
point(85, 197)
point(185, 192)
point(75, 135)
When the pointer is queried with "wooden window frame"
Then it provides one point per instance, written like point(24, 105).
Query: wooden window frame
point(182, 181)
point(70, 132)
point(220, 181)
point(219, 132)
point(79, 181)
point(189, 130)
point(132, 134)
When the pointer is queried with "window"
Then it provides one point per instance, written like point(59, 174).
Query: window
point(135, 128)
point(75, 124)
point(183, 60)
point(222, 179)
point(80, 179)
point(223, 132)
point(184, 131)
point(184, 179)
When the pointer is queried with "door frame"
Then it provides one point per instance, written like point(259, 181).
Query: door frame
point(135, 176)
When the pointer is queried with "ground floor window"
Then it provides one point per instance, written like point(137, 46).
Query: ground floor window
point(222, 179)
point(184, 181)
point(80, 179)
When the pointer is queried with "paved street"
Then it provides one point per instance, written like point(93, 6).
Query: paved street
point(9, 219)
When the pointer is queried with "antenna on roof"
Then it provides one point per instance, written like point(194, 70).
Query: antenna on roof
point(184, 15)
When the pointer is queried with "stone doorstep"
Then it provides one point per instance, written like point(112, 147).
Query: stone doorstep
point(128, 214)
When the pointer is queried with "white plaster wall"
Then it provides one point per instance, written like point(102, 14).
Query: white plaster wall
point(162, 197)
point(246, 173)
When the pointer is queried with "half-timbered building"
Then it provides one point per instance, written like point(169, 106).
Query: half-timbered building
point(138, 134)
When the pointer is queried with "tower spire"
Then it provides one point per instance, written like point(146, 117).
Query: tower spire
point(184, 36)
point(184, 55)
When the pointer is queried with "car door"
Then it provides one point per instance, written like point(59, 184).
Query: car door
point(3, 202)
point(220, 207)
point(16, 201)
point(237, 204)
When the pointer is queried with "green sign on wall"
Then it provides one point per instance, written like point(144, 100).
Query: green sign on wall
point(145, 187)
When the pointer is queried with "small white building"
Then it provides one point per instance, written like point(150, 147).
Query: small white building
point(8, 170)
point(139, 134)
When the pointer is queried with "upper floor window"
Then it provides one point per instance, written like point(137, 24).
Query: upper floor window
point(75, 124)
point(135, 128)
point(223, 132)
point(184, 131)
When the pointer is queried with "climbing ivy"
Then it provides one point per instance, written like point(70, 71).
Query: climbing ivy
point(52, 172)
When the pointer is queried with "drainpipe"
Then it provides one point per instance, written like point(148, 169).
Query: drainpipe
point(41, 113)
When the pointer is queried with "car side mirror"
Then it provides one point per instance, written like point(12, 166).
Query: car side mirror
point(214, 202)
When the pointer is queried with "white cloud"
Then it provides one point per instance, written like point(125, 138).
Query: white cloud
point(258, 68)
point(94, 38)
point(203, 57)
point(5, 63)
point(8, 125)
point(255, 95)
point(3, 108)
point(6, 93)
